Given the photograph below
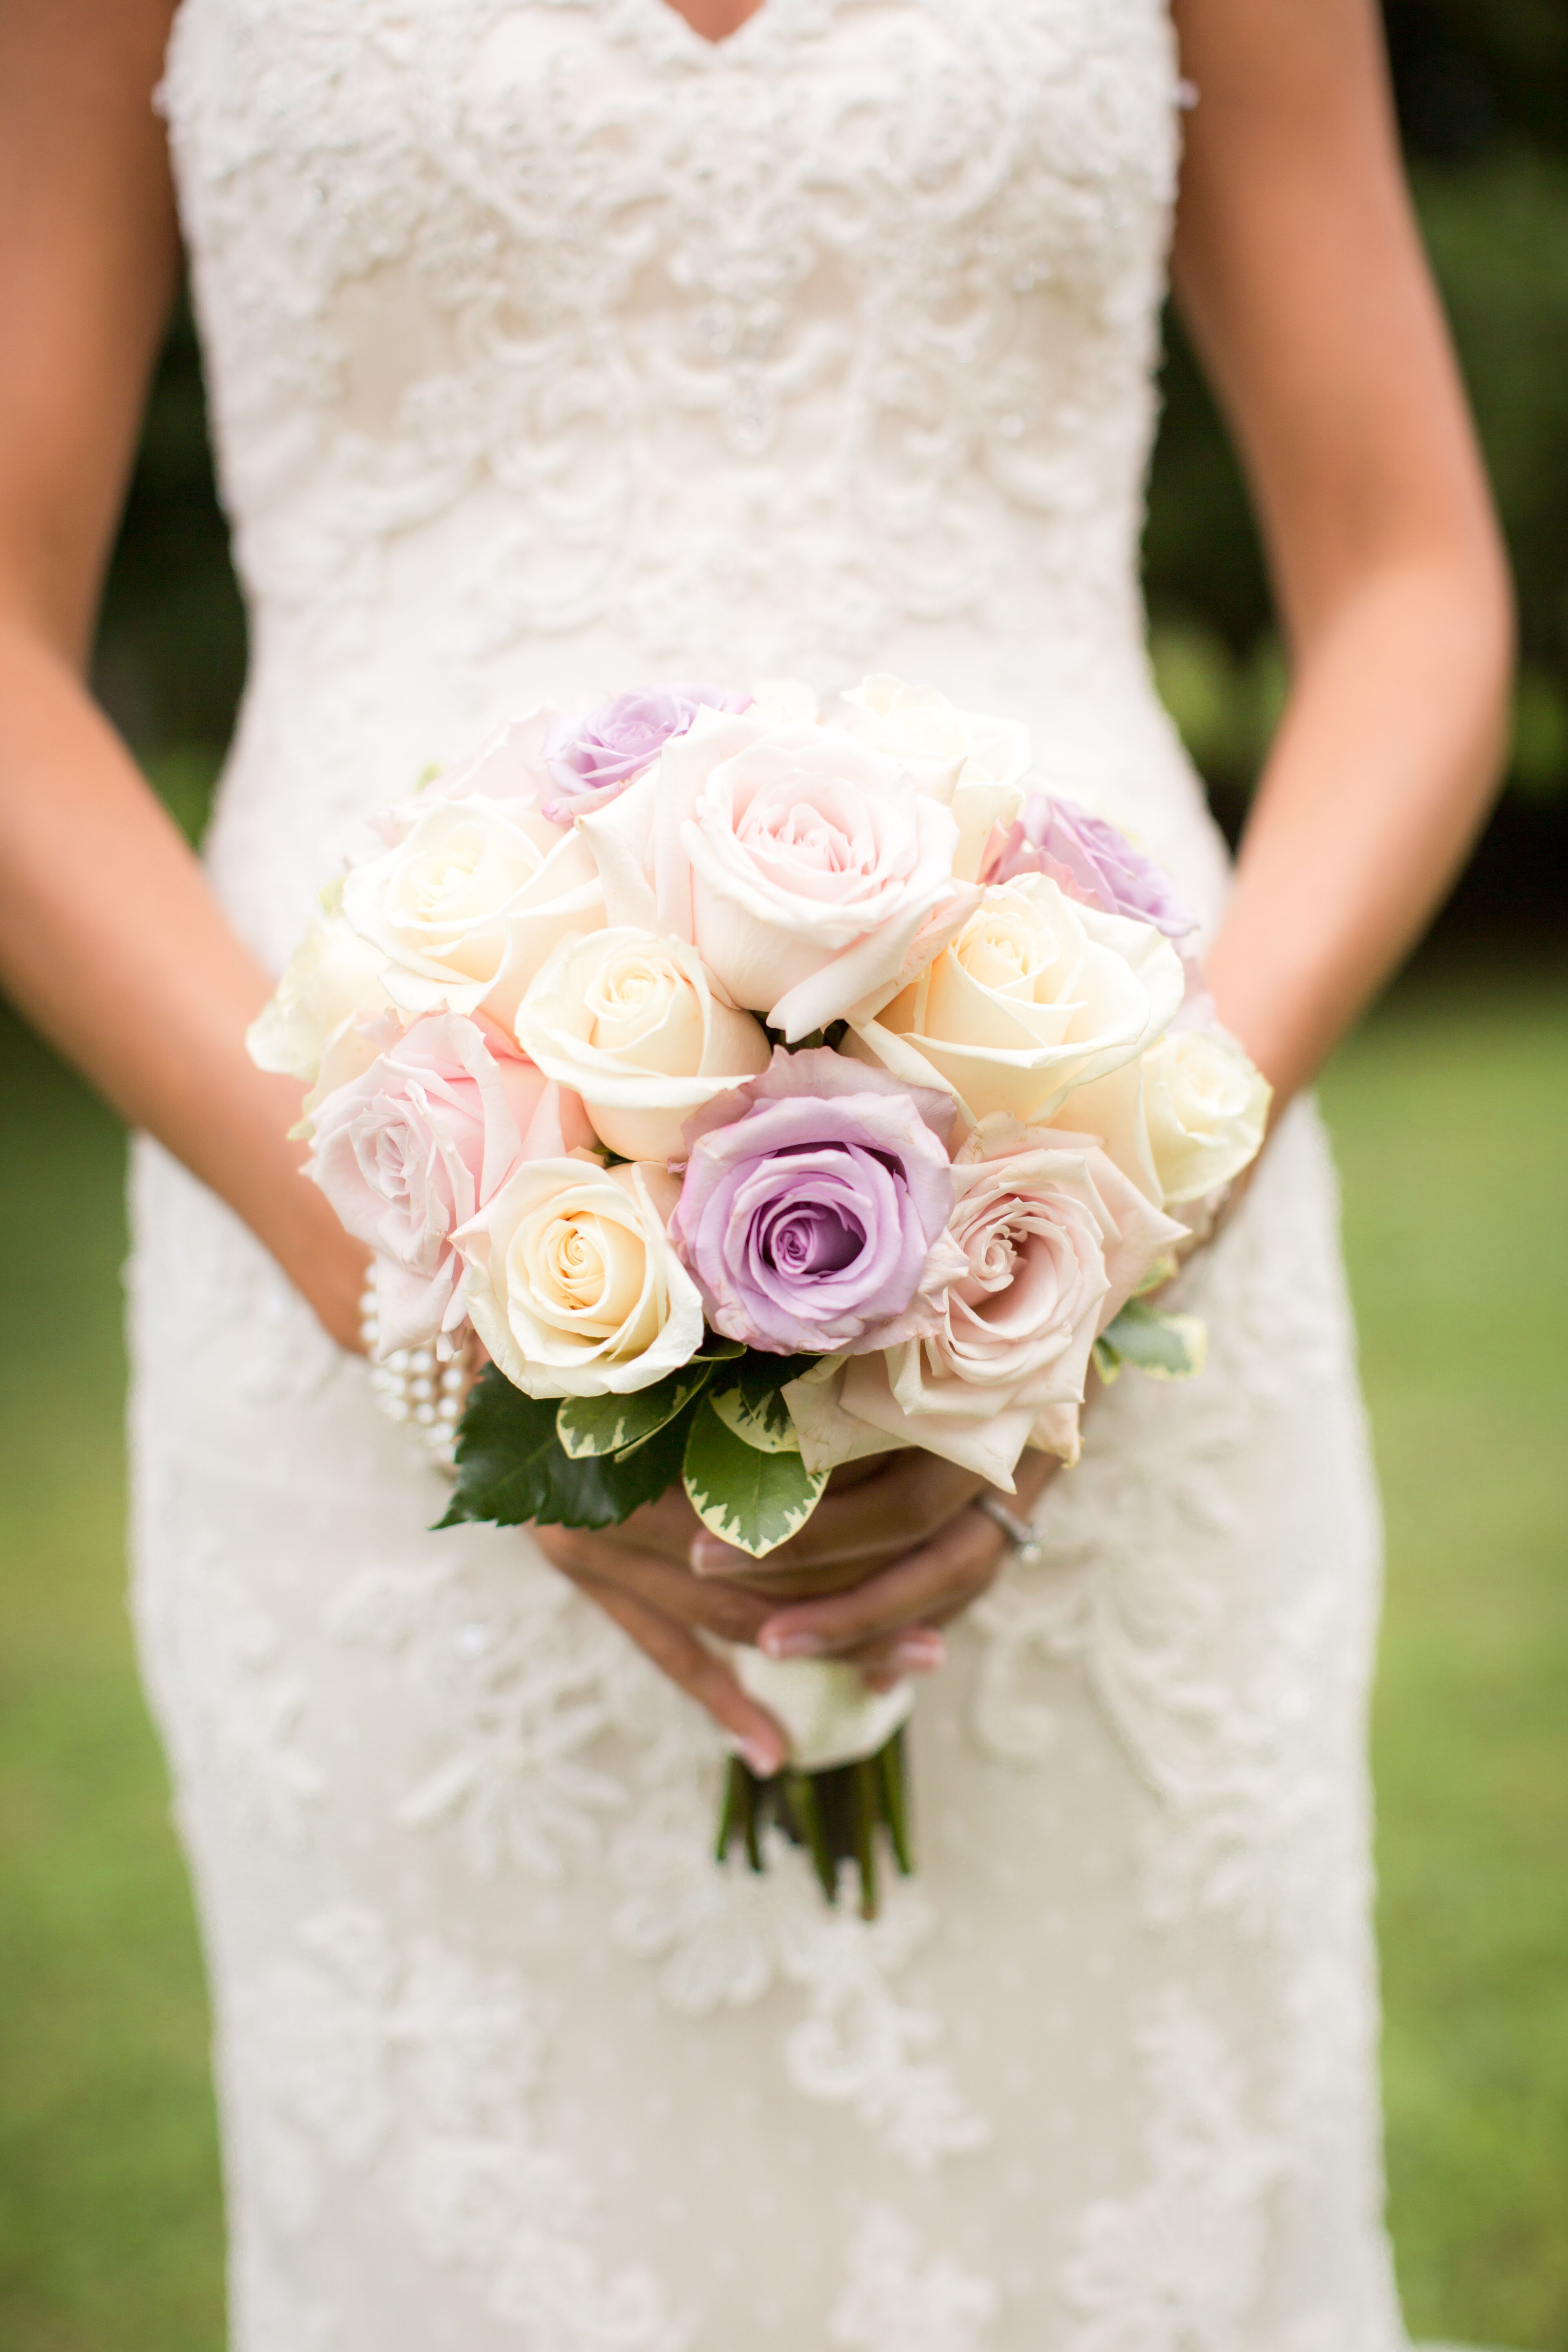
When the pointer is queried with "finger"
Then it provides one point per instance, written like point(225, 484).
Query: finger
point(717, 1608)
point(883, 1518)
point(914, 1650)
point(945, 1575)
point(677, 1653)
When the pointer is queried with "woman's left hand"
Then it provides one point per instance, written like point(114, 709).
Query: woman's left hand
point(889, 1623)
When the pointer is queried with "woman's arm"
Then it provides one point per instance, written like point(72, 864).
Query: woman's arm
point(1300, 274)
point(109, 937)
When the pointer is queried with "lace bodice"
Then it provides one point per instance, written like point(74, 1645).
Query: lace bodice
point(551, 346)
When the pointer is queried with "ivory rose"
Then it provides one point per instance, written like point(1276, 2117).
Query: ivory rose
point(628, 1020)
point(571, 1282)
point(509, 771)
point(1205, 1107)
point(468, 906)
point(333, 975)
point(1056, 1241)
point(800, 864)
point(1034, 995)
point(410, 1149)
point(975, 765)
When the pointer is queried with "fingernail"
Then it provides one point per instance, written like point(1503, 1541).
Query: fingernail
point(765, 1760)
point(791, 1645)
point(919, 1654)
point(710, 1557)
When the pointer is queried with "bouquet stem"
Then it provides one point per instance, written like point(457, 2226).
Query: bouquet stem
point(834, 1815)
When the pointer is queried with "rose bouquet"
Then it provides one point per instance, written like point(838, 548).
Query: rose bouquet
point(760, 1091)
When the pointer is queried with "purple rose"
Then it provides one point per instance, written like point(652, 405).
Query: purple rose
point(1091, 860)
point(594, 754)
point(814, 1213)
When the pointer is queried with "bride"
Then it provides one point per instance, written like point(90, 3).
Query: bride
point(555, 345)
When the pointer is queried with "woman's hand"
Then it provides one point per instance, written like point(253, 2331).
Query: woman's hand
point(666, 1610)
point(882, 1564)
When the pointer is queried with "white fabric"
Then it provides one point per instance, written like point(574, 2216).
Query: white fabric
point(552, 350)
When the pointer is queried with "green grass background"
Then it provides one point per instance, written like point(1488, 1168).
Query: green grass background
point(1451, 1112)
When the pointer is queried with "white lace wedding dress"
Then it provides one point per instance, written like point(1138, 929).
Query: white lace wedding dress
point(551, 350)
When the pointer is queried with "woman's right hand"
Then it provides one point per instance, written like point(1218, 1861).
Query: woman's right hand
point(897, 1545)
point(666, 1610)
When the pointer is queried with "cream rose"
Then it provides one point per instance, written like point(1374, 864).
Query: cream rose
point(468, 906)
point(509, 771)
point(333, 975)
point(1033, 996)
point(1205, 1108)
point(571, 1283)
point(1056, 1241)
point(632, 1017)
point(975, 765)
point(801, 866)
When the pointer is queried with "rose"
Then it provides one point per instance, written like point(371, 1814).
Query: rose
point(593, 757)
point(409, 1149)
point(333, 975)
point(973, 764)
point(800, 864)
point(467, 906)
point(1033, 996)
point(1055, 1241)
point(628, 1020)
point(829, 1714)
point(509, 771)
point(813, 1207)
point(1092, 861)
point(1205, 1107)
point(571, 1282)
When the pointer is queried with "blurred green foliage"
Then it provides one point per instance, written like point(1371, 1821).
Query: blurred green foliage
point(1482, 89)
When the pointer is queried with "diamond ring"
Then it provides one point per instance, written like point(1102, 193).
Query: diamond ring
point(1028, 1550)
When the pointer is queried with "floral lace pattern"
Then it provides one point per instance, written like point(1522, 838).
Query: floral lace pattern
point(417, 2072)
point(898, 2299)
point(552, 347)
point(1178, 2264)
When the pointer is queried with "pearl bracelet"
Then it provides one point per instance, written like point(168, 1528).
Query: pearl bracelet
point(414, 1386)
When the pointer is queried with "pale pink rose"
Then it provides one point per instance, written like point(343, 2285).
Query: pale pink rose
point(802, 864)
point(507, 772)
point(1057, 1240)
point(416, 1145)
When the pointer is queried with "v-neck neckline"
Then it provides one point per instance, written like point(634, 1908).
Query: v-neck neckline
point(716, 47)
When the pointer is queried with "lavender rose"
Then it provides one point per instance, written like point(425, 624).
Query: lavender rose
point(591, 756)
point(1091, 860)
point(815, 1208)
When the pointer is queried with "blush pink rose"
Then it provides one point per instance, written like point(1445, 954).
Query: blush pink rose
point(1055, 1240)
point(801, 865)
point(418, 1143)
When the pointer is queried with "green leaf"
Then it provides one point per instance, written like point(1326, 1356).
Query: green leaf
point(758, 1374)
point(513, 1469)
point(613, 1424)
point(763, 1422)
point(1167, 1346)
point(1163, 1270)
point(754, 1500)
